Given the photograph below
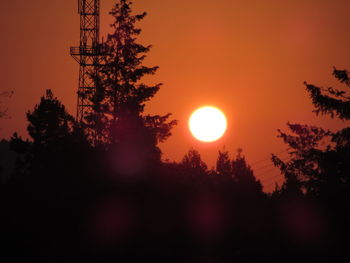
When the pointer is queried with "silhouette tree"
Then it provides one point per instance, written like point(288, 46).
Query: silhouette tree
point(319, 166)
point(224, 164)
point(192, 162)
point(244, 175)
point(45, 189)
point(7, 161)
point(49, 121)
point(330, 100)
point(120, 96)
point(302, 169)
point(239, 171)
point(54, 137)
point(318, 162)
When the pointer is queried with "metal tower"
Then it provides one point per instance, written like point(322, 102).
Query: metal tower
point(87, 54)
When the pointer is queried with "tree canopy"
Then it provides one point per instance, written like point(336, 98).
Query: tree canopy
point(120, 96)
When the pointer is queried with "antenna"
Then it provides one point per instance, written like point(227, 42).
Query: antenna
point(87, 54)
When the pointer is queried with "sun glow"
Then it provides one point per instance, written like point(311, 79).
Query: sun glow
point(207, 124)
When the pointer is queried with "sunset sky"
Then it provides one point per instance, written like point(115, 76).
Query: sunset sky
point(247, 57)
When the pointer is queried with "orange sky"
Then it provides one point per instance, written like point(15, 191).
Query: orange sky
point(247, 57)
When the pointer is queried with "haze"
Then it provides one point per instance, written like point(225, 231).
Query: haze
point(249, 58)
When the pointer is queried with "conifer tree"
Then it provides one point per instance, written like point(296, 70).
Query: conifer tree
point(224, 164)
point(244, 175)
point(49, 121)
point(54, 137)
point(237, 169)
point(192, 162)
point(319, 159)
point(119, 102)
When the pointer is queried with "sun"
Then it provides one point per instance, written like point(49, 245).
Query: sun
point(207, 124)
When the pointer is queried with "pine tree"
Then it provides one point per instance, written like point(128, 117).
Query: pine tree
point(120, 97)
point(55, 136)
point(223, 164)
point(332, 101)
point(239, 171)
point(49, 121)
point(192, 162)
point(319, 159)
point(244, 175)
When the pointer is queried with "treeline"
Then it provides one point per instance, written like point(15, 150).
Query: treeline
point(97, 190)
point(68, 199)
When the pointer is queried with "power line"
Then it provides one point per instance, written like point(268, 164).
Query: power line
point(267, 159)
point(262, 168)
point(267, 171)
point(272, 180)
point(269, 180)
